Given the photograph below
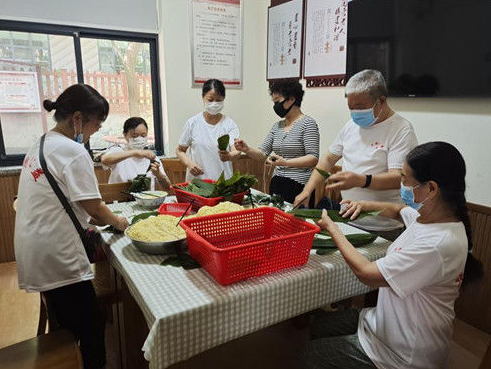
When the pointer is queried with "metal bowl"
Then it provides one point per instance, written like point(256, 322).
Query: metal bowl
point(150, 202)
point(159, 247)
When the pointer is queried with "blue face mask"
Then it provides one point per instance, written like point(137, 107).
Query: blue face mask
point(363, 117)
point(79, 138)
point(407, 195)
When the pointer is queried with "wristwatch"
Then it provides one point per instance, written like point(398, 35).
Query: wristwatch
point(368, 181)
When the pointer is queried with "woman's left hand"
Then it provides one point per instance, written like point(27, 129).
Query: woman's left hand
point(276, 161)
point(224, 155)
point(155, 167)
point(327, 224)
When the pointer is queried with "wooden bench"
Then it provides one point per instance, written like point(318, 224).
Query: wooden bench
point(57, 350)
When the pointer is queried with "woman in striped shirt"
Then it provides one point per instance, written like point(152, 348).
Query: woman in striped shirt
point(292, 144)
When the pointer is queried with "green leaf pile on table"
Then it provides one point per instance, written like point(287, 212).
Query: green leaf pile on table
point(225, 188)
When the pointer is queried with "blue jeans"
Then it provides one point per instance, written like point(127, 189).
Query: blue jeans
point(335, 342)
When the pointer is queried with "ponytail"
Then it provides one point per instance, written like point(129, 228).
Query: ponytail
point(457, 202)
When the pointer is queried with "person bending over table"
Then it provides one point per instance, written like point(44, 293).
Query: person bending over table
point(372, 144)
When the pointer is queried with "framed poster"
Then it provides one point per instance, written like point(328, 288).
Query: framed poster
point(285, 35)
point(326, 28)
point(216, 41)
point(19, 92)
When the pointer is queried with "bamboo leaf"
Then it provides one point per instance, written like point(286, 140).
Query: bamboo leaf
point(325, 174)
point(223, 142)
point(142, 216)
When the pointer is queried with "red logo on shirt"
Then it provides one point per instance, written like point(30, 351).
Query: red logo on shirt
point(459, 279)
point(377, 145)
point(36, 174)
point(399, 249)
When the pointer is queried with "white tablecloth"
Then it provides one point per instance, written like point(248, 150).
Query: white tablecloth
point(187, 312)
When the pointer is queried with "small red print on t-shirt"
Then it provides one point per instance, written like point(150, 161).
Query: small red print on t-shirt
point(377, 145)
point(399, 249)
point(37, 173)
point(460, 278)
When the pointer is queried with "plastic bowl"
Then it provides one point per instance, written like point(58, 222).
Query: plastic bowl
point(149, 201)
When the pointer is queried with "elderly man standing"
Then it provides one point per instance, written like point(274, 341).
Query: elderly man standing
point(373, 145)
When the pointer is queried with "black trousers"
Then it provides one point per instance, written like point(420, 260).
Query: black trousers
point(76, 309)
point(288, 189)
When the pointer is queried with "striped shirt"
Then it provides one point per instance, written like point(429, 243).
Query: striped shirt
point(302, 139)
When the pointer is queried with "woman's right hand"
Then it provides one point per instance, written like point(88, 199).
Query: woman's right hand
point(352, 209)
point(121, 224)
point(241, 145)
point(195, 169)
point(141, 154)
point(302, 198)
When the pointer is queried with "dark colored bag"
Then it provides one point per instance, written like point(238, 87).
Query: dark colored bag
point(91, 239)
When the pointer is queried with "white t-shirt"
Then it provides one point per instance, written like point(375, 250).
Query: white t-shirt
point(374, 150)
point(128, 169)
point(411, 327)
point(48, 249)
point(201, 138)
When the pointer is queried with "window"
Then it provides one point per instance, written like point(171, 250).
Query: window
point(116, 71)
point(39, 61)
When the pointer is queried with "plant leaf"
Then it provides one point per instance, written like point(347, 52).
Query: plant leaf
point(181, 260)
point(325, 174)
point(223, 142)
point(142, 216)
point(356, 239)
point(172, 260)
point(316, 214)
point(187, 262)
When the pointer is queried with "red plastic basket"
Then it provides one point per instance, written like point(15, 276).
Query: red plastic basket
point(175, 209)
point(248, 243)
point(199, 201)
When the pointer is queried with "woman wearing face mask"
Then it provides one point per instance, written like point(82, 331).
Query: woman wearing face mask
point(419, 278)
point(201, 133)
point(128, 162)
point(292, 145)
point(49, 251)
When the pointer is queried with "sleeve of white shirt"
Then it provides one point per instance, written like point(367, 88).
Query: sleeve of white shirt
point(337, 146)
point(408, 215)
point(234, 133)
point(186, 135)
point(80, 179)
point(111, 150)
point(402, 145)
point(411, 267)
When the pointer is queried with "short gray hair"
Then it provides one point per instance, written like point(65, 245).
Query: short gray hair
point(368, 81)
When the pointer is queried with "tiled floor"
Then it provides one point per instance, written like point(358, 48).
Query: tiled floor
point(275, 347)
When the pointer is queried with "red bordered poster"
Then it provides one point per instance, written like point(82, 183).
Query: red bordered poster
point(216, 41)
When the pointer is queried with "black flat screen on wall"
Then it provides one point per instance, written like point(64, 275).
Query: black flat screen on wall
point(423, 47)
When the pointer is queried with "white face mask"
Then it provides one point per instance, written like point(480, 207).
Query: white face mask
point(137, 143)
point(214, 107)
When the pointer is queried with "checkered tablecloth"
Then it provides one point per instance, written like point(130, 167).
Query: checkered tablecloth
point(187, 312)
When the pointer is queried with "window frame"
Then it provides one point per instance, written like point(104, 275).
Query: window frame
point(98, 33)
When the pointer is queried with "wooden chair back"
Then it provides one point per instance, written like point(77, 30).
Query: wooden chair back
point(114, 192)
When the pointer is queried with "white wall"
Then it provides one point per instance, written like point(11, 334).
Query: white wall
point(465, 123)
point(133, 15)
point(250, 107)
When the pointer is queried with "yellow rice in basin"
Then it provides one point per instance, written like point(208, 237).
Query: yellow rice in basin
point(157, 229)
